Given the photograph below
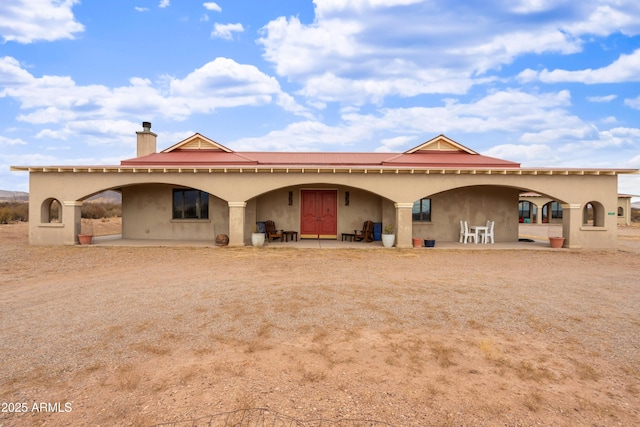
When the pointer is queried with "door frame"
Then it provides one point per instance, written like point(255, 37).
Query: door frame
point(319, 236)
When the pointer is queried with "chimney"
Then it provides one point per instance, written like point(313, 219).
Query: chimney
point(146, 140)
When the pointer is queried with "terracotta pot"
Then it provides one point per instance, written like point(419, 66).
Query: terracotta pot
point(85, 239)
point(556, 242)
point(417, 242)
point(222, 240)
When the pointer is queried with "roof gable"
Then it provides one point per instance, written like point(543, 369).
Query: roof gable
point(198, 142)
point(441, 143)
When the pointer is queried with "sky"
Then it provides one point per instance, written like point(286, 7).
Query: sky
point(547, 83)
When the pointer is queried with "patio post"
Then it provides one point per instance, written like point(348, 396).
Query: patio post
point(571, 223)
point(236, 223)
point(404, 225)
point(71, 218)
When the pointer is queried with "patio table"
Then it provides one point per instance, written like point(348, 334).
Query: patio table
point(478, 230)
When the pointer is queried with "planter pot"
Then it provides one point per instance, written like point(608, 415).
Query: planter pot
point(388, 240)
point(429, 243)
point(85, 239)
point(556, 242)
point(257, 239)
point(222, 240)
point(417, 242)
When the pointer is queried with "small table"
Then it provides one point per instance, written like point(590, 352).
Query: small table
point(478, 229)
point(287, 234)
point(348, 236)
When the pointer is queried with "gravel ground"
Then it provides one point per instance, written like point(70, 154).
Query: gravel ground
point(141, 336)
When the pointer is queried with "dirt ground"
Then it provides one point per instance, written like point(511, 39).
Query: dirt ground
point(110, 336)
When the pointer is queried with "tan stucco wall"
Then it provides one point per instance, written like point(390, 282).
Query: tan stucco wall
point(363, 206)
point(625, 204)
point(147, 214)
point(476, 205)
point(382, 197)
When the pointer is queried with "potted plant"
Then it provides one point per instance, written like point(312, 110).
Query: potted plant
point(556, 241)
point(388, 238)
point(257, 238)
point(85, 237)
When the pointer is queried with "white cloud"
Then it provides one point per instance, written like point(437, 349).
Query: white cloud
point(533, 6)
point(141, 9)
point(525, 154)
point(328, 7)
point(633, 103)
point(606, 19)
point(222, 83)
point(606, 98)
point(625, 69)
point(23, 21)
point(225, 31)
point(164, 3)
point(11, 141)
point(396, 144)
point(212, 6)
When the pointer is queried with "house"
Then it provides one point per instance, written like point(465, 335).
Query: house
point(198, 188)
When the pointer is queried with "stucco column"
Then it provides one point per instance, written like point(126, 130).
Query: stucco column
point(571, 223)
point(404, 225)
point(236, 223)
point(71, 218)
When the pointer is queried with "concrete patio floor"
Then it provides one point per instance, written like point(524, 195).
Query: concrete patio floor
point(117, 240)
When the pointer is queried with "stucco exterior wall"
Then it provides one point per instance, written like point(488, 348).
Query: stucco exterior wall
point(476, 205)
point(147, 214)
point(362, 206)
point(381, 197)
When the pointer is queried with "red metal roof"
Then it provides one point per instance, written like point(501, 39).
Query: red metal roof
point(435, 159)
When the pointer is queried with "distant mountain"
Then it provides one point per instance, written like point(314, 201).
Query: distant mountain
point(20, 196)
point(108, 196)
point(635, 205)
point(13, 196)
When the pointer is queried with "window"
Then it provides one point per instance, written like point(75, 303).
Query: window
point(556, 210)
point(422, 210)
point(190, 204)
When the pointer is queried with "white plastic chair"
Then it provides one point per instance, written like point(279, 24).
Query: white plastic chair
point(488, 234)
point(465, 234)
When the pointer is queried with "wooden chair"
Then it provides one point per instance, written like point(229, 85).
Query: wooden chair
point(272, 233)
point(366, 233)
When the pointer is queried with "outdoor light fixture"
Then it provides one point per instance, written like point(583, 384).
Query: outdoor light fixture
point(290, 198)
point(346, 198)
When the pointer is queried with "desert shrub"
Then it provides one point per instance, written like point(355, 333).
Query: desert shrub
point(13, 211)
point(5, 215)
point(97, 210)
point(635, 215)
point(92, 211)
point(113, 210)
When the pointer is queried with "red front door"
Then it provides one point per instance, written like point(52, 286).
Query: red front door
point(318, 218)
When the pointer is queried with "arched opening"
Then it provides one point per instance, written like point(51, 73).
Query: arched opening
point(51, 211)
point(593, 214)
point(620, 211)
point(527, 212)
point(321, 210)
point(552, 212)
